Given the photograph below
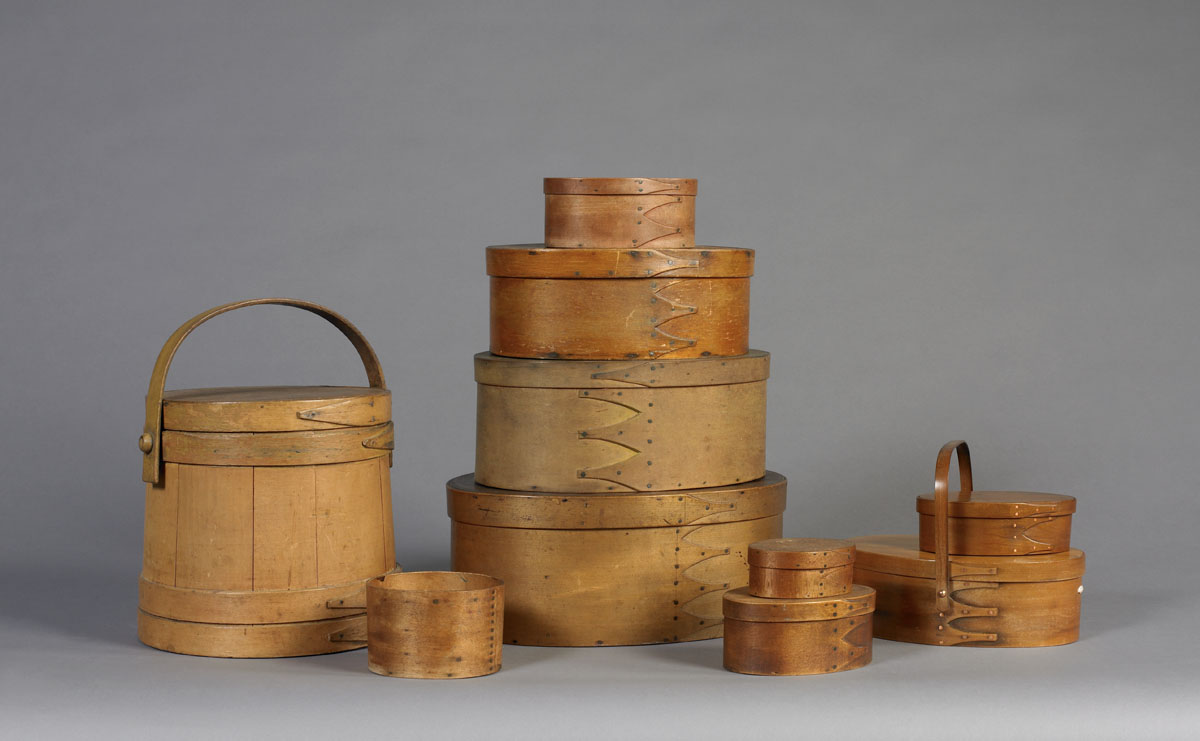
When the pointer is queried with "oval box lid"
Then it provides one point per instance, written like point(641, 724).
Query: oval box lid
point(540, 261)
point(1003, 504)
point(497, 370)
point(739, 604)
point(801, 553)
point(275, 408)
point(475, 504)
point(619, 186)
point(899, 554)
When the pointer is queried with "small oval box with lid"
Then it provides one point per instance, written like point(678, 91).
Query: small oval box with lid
point(267, 509)
point(929, 592)
point(593, 426)
point(620, 213)
point(605, 304)
point(819, 635)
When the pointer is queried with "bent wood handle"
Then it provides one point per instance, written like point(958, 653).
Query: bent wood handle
point(941, 513)
point(150, 443)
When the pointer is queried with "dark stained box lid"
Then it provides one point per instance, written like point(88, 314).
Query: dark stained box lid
point(801, 553)
point(739, 604)
point(1003, 504)
point(899, 554)
point(619, 186)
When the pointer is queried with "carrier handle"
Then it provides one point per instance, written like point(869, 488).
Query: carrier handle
point(941, 514)
point(150, 443)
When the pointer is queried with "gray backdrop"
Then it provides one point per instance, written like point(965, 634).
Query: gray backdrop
point(973, 219)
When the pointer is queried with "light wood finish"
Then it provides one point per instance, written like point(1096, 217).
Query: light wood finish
point(940, 599)
point(801, 568)
point(435, 625)
point(571, 316)
point(646, 432)
point(1001, 523)
point(310, 447)
point(613, 569)
point(620, 213)
point(797, 636)
point(150, 441)
point(275, 408)
point(268, 640)
point(266, 514)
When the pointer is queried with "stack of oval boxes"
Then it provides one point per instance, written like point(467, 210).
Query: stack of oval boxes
point(620, 451)
point(801, 613)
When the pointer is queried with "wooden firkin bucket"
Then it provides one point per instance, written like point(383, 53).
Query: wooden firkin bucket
point(953, 600)
point(603, 304)
point(620, 213)
point(612, 569)
point(267, 509)
point(611, 426)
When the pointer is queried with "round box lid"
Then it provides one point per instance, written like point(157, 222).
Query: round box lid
point(619, 186)
point(275, 408)
point(899, 554)
point(739, 604)
point(1003, 504)
point(801, 553)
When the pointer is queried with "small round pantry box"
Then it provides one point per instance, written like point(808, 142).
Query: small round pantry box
point(267, 509)
point(801, 568)
point(620, 213)
point(602, 569)
point(606, 304)
point(613, 426)
point(943, 599)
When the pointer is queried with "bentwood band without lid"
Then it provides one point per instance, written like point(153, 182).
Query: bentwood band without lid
point(498, 370)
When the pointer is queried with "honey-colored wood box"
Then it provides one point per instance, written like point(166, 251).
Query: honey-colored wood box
point(620, 213)
point(603, 304)
point(801, 568)
point(612, 569)
point(818, 635)
point(267, 509)
point(953, 600)
point(605, 426)
point(1001, 523)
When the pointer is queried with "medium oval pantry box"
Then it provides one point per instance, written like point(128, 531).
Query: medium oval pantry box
point(598, 569)
point(605, 304)
point(945, 599)
point(267, 509)
point(612, 426)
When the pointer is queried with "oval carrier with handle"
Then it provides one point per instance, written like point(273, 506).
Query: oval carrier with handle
point(944, 599)
point(267, 509)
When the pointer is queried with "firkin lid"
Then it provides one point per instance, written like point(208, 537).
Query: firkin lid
point(275, 408)
point(1003, 504)
point(739, 604)
point(899, 554)
point(801, 553)
point(539, 261)
point(619, 186)
point(473, 503)
point(498, 370)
